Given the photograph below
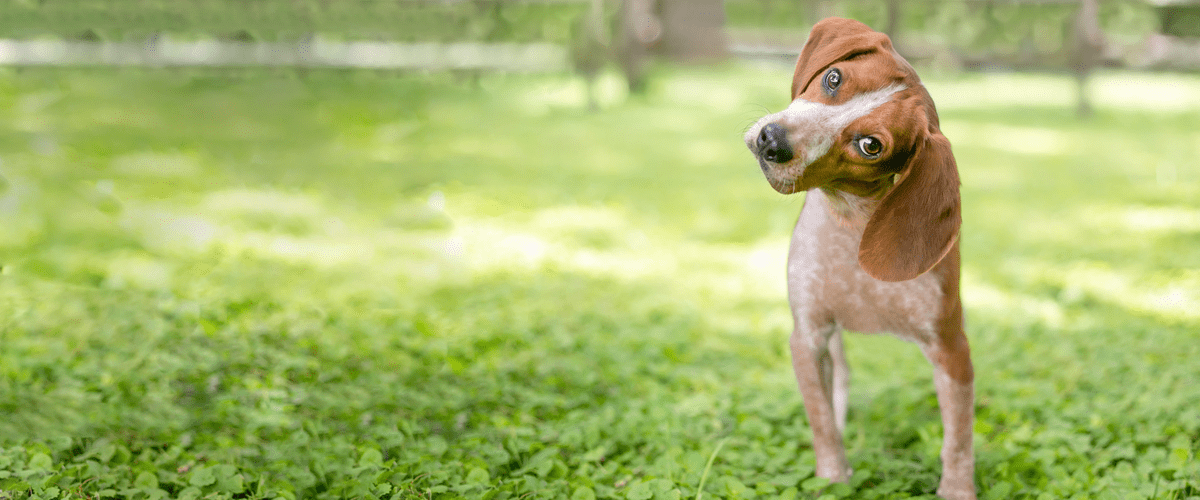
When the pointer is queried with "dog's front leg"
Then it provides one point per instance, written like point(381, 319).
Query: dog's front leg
point(813, 364)
point(954, 379)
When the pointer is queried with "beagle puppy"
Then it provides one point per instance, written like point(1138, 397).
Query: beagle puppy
point(876, 246)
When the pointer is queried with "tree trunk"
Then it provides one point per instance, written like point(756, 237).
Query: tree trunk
point(1086, 50)
point(693, 30)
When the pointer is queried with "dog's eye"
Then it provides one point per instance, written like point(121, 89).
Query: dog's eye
point(869, 147)
point(832, 80)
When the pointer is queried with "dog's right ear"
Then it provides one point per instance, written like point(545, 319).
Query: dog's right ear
point(833, 39)
point(917, 222)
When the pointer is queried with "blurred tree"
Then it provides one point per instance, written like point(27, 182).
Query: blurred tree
point(493, 10)
point(1085, 50)
point(640, 29)
point(1177, 42)
point(822, 9)
point(693, 30)
point(590, 48)
point(626, 37)
point(893, 19)
point(681, 30)
point(1178, 17)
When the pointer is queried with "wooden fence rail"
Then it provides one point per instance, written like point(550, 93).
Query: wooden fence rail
point(317, 53)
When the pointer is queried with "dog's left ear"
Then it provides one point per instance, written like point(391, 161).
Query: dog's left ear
point(917, 222)
point(833, 39)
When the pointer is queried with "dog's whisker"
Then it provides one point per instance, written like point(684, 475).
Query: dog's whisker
point(749, 124)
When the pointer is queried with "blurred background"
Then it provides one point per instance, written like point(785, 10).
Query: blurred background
point(304, 239)
point(589, 35)
point(115, 103)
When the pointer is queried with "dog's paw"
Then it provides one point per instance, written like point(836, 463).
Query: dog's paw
point(956, 493)
point(835, 474)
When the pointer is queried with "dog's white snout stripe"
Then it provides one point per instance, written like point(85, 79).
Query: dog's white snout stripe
point(814, 126)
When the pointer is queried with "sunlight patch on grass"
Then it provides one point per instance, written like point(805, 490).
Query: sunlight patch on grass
point(986, 178)
point(293, 228)
point(385, 254)
point(138, 271)
point(701, 152)
point(389, 142)
point(1175, 296)
point(1146, 219)
point(1124, 91)
point(1178, 297)
point(1147, 91)
point(1038, 141)
point(17, 198)
point(606, 242)
point(122, 116)
point(493, 244)
point(154, 164)
point(320, 252)
point(1002, 90)
point(169, 230)
point(240, 201)
point(593, 227)
point(30, 114)
point(979, 295)
point(540, 98)
point(704, 92)
point(475, 148)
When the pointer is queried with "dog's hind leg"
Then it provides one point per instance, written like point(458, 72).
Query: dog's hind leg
point(841, 379)
point(954, 379)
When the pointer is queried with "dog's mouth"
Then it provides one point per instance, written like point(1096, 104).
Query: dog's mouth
point(782, 183)
point(783, 177)
point(777, 160)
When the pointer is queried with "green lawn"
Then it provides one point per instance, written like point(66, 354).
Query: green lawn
point(347, 285)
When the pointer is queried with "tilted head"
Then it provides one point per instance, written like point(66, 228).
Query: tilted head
point(860, 122)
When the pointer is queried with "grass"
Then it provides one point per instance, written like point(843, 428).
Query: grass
point(342, 285)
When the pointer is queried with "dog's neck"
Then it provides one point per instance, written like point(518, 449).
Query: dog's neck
point(849, 210)
point(852, 208)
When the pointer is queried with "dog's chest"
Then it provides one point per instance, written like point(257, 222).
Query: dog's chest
point(826, 283)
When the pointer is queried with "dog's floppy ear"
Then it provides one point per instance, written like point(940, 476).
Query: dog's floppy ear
point(831, 40)
point(917, 222)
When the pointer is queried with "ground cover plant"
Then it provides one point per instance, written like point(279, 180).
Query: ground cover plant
point(350, 285)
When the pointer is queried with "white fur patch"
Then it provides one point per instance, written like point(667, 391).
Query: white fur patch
point(814, 126)
point(826, 283)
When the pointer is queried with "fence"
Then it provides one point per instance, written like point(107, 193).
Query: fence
point(543, 35)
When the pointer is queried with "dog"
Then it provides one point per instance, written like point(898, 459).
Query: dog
point(875, 248)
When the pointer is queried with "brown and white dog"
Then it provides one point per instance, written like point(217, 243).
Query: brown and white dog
point(876, 245)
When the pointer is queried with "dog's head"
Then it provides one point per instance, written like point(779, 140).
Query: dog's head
point(861, 122)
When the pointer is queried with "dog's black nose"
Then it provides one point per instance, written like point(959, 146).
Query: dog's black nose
point(773, 145)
